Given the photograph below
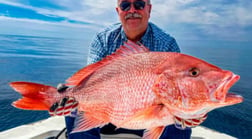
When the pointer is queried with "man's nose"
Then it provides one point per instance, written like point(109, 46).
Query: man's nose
point(132, 8)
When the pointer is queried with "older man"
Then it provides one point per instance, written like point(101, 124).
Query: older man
point(135, 26)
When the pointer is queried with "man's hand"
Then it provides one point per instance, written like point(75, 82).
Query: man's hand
point(66, 107)
point(182, 124)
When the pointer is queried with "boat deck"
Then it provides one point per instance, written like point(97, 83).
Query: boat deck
point(52, 126)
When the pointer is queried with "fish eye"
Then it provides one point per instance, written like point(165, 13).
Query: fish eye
point(194, 72)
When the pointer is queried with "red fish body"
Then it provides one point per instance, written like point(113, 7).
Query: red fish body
point(138, 89)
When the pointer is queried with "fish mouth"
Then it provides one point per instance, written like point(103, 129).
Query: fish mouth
point(222, 95)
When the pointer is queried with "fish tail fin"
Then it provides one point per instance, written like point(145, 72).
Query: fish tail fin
point(35, 96)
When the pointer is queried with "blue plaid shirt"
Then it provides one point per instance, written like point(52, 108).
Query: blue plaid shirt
point(107, 41)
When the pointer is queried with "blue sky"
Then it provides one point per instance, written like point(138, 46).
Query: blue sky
point(218, 20)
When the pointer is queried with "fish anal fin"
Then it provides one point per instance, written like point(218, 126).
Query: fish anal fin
point(153, 133)
point(127, 49)
point(86, 121)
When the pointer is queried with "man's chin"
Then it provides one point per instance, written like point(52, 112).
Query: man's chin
point(133, 23)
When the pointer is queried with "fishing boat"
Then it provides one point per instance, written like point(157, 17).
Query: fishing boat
point(53, 128)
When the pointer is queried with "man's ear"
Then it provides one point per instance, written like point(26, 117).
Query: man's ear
point(117, 10)
point(150, 8)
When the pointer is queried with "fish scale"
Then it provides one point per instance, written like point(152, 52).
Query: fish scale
point(121, 81)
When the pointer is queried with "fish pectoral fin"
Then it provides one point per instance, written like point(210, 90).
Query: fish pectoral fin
point(85, 121)
point(151, 113)
point(153, 133)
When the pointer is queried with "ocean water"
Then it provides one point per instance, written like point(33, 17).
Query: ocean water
point(52, 60)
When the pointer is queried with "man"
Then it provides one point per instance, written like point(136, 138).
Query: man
point(135, 26)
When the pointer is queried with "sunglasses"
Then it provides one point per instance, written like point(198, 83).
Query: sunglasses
point(138, 5)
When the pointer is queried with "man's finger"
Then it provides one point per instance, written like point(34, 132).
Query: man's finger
point(64, 108)
point(64, 101)
point(54, 107)
point(61, 88)
point(182, 123)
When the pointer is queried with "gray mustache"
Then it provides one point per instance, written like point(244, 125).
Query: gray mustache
point(132, 15)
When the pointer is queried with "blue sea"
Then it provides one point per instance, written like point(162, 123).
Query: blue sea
point(52, 60)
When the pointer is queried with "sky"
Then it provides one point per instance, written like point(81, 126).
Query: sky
point(195, 20)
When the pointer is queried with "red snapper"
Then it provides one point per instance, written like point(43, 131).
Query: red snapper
point(137, 89)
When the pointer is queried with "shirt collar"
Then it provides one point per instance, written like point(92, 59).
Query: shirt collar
point(144, 37)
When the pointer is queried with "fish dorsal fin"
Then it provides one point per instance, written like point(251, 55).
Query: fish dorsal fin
point(129, 48)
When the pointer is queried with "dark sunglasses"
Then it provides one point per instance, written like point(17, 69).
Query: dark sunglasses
point(138, 5)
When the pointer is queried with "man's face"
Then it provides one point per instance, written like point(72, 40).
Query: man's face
point(133, 18)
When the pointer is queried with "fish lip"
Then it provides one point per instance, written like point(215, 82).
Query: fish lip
point(221, 92)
